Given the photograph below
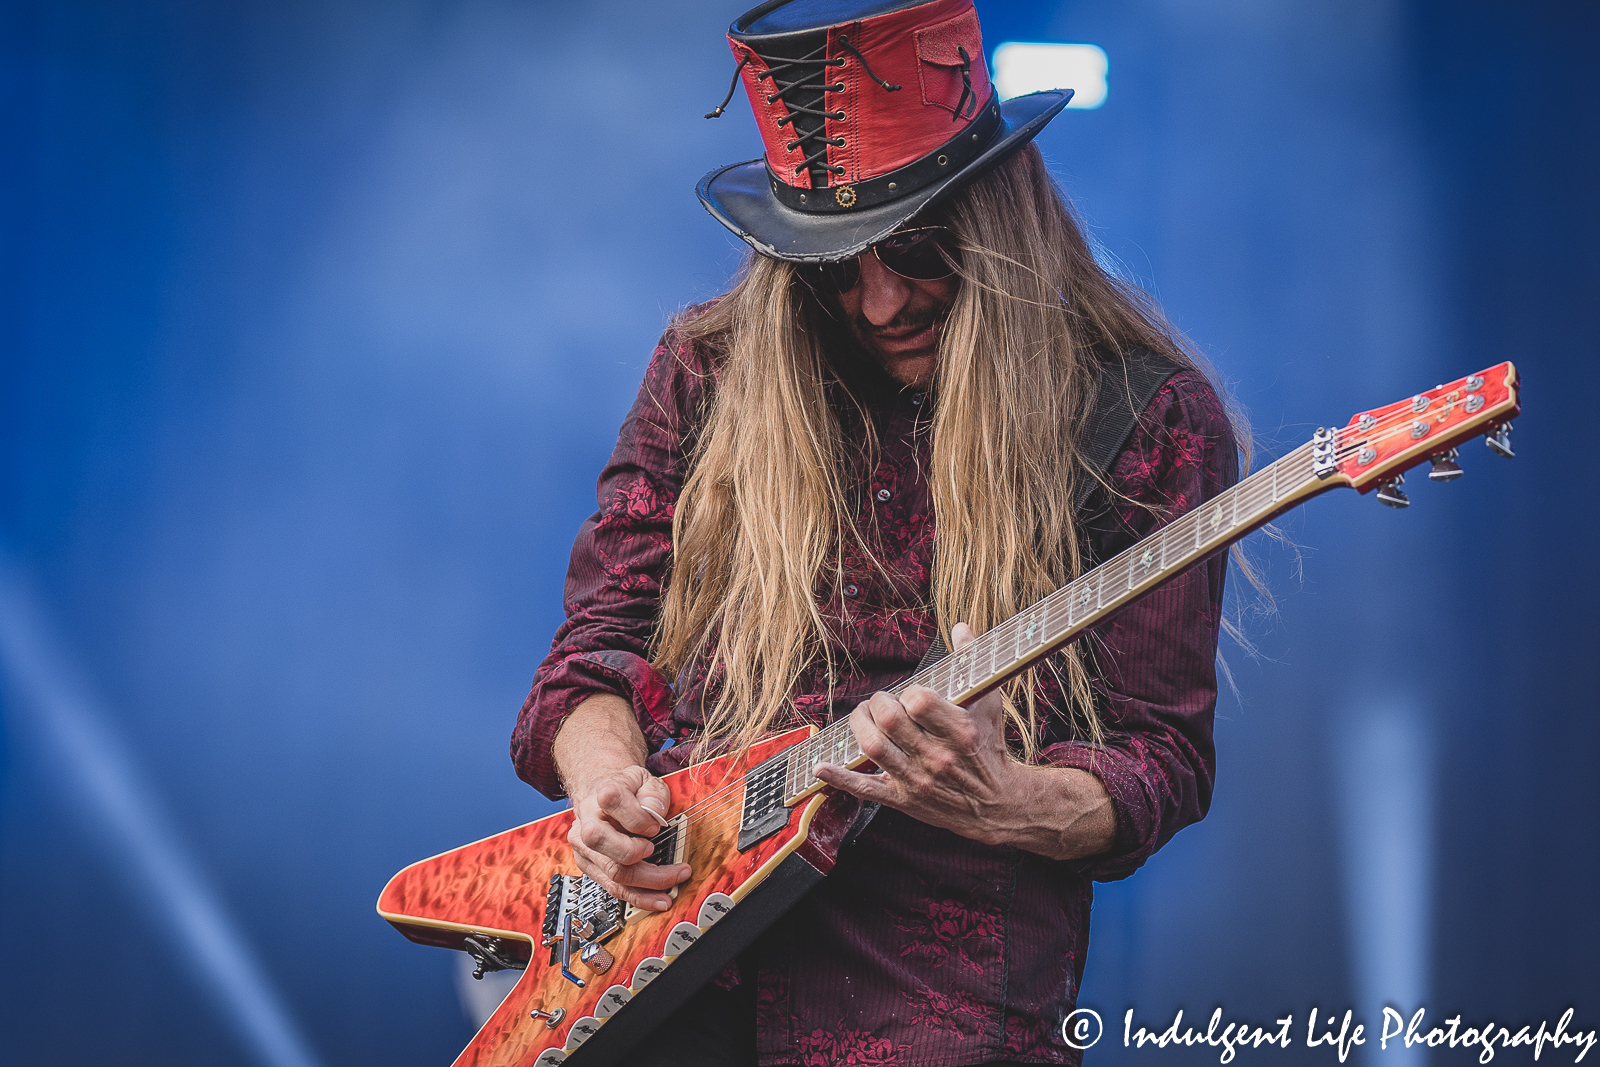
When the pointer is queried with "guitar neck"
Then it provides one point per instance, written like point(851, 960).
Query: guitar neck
point(1062, 616)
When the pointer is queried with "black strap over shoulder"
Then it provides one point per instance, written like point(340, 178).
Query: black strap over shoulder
point(1125, 389)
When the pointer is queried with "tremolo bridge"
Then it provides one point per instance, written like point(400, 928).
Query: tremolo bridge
point(579, 916)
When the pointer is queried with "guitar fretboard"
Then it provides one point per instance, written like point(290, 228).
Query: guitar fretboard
point(1062, 616)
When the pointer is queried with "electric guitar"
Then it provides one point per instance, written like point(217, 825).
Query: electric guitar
point(758, 830)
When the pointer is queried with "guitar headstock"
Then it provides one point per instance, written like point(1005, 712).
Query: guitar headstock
point(1379, 446)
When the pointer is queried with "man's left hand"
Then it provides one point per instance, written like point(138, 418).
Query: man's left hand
point(948, 766)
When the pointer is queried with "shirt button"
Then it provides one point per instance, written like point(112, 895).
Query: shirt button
point(851, 590)
point(884, 494)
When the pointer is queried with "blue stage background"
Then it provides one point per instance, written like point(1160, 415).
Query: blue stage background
point(316, 324)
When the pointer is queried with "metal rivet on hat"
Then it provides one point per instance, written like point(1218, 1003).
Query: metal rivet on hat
point(802, 196)
point(892, 187)
point(974, 137)
point(943, 160)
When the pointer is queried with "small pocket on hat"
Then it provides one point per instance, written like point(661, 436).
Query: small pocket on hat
point(939, 53)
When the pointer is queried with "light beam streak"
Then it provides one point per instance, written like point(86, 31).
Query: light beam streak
point(49, 697)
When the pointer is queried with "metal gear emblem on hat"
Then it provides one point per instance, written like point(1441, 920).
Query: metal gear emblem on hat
point(845, 195)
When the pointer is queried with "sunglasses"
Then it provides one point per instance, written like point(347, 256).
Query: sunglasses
point(924, 254)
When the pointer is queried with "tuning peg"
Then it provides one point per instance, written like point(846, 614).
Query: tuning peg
point(1445, 467)
point(1390, 493)
point(1499, 441)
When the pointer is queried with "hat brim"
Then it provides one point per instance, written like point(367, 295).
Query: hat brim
point(740, 195)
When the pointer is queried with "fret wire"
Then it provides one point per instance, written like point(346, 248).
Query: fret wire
point(1059, 612)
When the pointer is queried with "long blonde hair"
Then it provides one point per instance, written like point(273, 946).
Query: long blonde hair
point(765, 511)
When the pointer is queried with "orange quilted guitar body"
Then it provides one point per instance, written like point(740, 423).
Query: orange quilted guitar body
point(497, 888)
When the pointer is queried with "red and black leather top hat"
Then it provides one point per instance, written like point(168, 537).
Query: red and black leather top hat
point(871, 110)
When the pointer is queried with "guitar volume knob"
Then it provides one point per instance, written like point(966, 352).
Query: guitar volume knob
point(596, 958)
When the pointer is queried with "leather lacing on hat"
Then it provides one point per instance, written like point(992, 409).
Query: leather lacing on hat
point(812, 69)
point(966, 84)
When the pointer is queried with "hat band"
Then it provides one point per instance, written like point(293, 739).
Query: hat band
point(942, 162)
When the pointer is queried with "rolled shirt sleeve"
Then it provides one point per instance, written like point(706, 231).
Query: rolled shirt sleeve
point(1154, 662)
point(615, 577)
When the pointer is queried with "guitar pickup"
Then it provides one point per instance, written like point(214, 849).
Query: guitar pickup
point(671, 845)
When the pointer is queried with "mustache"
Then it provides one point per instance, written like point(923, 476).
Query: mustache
point(906, 321)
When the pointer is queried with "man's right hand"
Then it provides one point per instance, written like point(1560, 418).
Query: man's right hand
point(611, 831)
point(617, 805)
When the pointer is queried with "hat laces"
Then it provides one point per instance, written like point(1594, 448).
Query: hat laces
point(808, 119)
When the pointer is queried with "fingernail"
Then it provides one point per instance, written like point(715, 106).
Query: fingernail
point(662, 905)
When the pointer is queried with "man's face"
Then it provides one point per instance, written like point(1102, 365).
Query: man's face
point(898, 319)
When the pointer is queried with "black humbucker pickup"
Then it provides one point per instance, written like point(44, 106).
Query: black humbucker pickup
point(764, 812)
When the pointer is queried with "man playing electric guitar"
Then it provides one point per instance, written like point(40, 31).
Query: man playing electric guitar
point(878, 439)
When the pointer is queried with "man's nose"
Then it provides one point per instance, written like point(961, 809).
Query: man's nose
point(883, 292)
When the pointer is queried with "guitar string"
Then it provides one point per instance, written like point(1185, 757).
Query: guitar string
point(1246, 496)
point(814, 746)
point(1251, 495)
point(1239, 492)
point(1241, 496)
point(715, 819)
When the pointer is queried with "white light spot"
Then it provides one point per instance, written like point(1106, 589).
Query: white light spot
point(1023, 67)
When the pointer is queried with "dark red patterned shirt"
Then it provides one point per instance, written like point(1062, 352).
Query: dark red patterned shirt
point(922, 947)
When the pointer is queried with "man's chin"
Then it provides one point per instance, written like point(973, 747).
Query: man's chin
point(910, 368)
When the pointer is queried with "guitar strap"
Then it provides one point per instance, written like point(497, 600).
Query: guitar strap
point(1120, 398)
